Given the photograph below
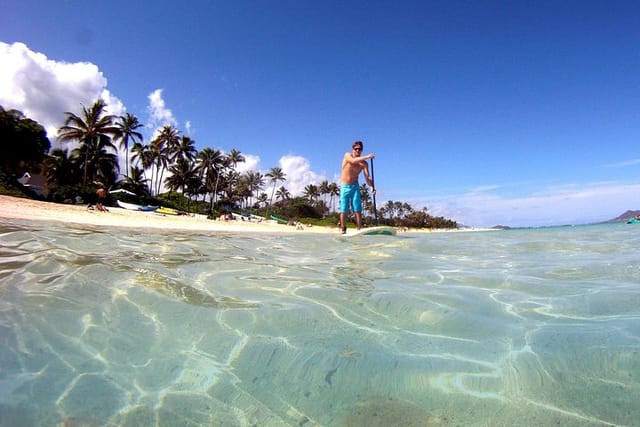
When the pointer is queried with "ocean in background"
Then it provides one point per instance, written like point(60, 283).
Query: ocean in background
point(119, 327)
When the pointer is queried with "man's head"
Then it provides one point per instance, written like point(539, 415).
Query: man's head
point(357, 146)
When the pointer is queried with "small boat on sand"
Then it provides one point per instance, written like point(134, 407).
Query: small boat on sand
point(135, 207)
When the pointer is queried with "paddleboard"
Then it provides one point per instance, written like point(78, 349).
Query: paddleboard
point(371, 231)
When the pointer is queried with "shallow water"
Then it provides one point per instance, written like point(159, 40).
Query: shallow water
point(136, 328)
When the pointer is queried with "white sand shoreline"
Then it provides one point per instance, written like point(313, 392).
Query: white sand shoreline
point(34, 210)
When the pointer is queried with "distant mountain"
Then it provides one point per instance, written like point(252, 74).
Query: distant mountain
point(622, 218)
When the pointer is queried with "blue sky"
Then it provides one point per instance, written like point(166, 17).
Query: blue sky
point(517, 113)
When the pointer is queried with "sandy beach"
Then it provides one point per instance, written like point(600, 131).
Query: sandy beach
point(34, 210)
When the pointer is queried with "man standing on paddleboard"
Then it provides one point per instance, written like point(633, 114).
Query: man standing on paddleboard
point(352, 164)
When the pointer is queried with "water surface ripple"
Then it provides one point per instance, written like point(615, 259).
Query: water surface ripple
point(520, 327)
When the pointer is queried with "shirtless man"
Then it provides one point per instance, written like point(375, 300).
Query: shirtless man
point(352, 164)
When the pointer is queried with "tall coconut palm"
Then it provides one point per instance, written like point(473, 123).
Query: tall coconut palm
point(186, 148)
point(136, 182)
point(164, 148)
point(283, 194)
point(92, 130)
point(127, 132)
point(263, 198)
point(334, 191)
point(255, 181)
point(228, 175)
point(210, 163)
point(275, 175)
point(390, 208)
point(182, 173)
point(311, 192)
point(143, 155)
point(101, 163)
point(324, 190)
point(366, 199)
point(230, 181)
point(104, 166)
point(243, 190)
point(234, 157)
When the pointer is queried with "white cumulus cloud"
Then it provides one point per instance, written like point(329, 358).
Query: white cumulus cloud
point(159, 114)
point(44, 89)
point(251, 163)
point(298, 173)
point(297, 170)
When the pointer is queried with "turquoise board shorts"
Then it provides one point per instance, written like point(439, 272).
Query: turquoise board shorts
point(350, 198)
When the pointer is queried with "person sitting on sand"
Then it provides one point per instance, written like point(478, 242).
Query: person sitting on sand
point(102, 194)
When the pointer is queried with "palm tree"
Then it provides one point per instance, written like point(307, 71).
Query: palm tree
point(182, 173)
point(186, 148)
point(143, 155)
point(99, 164)
point(230, 180)
point(136, 182)
point(93, 130)
point(255, 181)
point(127, 132)
point(334, 191)
point(59, 168)
point(275, 175)
point(210, 163)
point(390, 208)
point(403, 209)
point(263, 198)
point(324, 189)
point(164, 148)
point(311, 192)
point(243, 190)
point(229, 176)
point(283, 194)
point(366, 198)
point(104, 166)
point(234, 157)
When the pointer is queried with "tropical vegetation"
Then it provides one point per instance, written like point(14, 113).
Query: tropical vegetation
point(169, 170)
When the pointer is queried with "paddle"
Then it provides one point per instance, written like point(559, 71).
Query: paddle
point(373, 187)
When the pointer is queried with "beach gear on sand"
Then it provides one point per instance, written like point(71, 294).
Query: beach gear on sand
point(280, 220)
point(135, 207)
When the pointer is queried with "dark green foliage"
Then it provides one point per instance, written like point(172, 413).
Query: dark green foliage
point(23, 143)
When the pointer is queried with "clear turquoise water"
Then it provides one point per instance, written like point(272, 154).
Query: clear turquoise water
point(135, 328)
